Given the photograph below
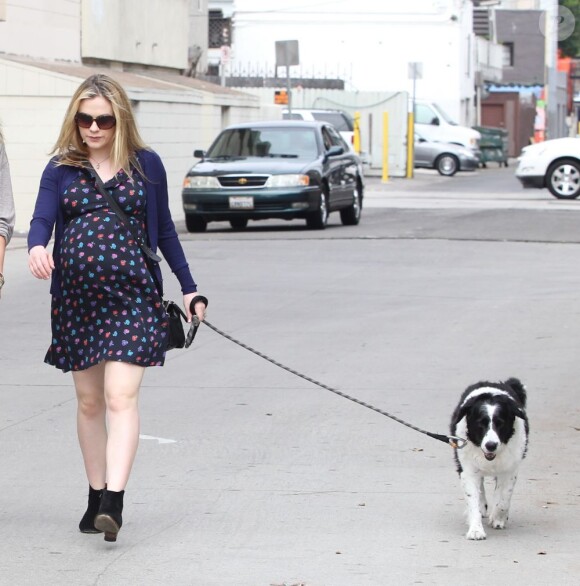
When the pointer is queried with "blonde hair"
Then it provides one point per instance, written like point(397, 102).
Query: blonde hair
point(70, 148)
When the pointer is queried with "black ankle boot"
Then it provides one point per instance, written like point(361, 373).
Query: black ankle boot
point(87, 524)
point(109, 519)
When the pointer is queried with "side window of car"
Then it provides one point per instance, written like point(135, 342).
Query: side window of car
point(424, 114)
point(338, 140)
point(326, 138)
point(334, 138)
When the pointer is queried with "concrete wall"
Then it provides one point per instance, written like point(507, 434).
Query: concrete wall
point(47, 29)
point(155, 33)
point(523, 30)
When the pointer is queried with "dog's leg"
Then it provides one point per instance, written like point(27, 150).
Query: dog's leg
point(504, 488)
point(482, 499)
point(472, 487)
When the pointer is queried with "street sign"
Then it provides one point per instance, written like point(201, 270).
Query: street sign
point(415, 70)
point(281, 97)
point(287, 53)
point(225, 54)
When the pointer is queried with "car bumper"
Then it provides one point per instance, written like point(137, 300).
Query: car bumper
point(531, 172)
point(253, 204)
point(531, 182)
point(468, 163)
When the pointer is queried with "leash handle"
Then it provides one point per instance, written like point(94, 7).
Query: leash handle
point(194, 320)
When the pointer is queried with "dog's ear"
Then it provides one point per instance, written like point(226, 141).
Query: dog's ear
point(461, 412)
point(520, 413)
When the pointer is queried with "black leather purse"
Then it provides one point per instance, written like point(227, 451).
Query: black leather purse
point(176, 334)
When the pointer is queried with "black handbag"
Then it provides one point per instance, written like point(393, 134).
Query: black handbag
point(176, 334)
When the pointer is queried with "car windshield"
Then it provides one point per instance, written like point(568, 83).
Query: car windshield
point(298, 143)
point(446, 116)
point(341, 122)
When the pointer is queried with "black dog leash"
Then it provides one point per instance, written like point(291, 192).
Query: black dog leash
point(453, 441)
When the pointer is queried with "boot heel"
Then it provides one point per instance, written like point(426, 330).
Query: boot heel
point(108, 526)
point(109, 519)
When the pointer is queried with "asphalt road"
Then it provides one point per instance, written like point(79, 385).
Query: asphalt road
point(250, 476)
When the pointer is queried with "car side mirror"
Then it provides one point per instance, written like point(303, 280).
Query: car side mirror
point(334, 150)
point(435, 121)
point(199, 154)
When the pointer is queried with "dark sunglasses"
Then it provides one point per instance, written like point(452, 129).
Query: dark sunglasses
point(104, 122)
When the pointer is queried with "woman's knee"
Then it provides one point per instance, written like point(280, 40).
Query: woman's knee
point(91, 405)
point(120, 399)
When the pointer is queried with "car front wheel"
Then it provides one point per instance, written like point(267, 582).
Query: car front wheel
point(563, 179)
point(350, 216)
point(195, 223)
point(447, 165)
point(317, 220)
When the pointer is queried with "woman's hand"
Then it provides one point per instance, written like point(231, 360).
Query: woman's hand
point(199, 307)
point(40, 262)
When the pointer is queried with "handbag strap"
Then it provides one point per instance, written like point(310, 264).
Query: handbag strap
point(123, 217)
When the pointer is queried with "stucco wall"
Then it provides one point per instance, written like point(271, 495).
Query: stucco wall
point(47, 30)
point(155, 33)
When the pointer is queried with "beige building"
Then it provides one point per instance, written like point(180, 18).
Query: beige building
point(48, 48)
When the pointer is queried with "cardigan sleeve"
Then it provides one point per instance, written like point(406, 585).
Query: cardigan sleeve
point(46, 208)
point(7, 214)
point(167, 238)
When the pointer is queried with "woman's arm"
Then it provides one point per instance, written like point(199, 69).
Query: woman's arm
point(46, 208)
point(168, 241)
point(7, 215)
point(40, 260)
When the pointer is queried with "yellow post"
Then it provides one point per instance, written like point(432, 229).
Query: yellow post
point(385, 147)
point(356, 143)
point(410, 144)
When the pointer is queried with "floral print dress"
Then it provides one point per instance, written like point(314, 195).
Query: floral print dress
point(110, 308)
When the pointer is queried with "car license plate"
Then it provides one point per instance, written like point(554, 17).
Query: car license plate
point(241, 202)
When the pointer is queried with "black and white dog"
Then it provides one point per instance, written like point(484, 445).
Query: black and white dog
point(492, 417)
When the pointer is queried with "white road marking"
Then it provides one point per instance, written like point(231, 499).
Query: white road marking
point(161, 440)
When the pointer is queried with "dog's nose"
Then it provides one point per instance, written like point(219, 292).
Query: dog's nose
point(491, 446)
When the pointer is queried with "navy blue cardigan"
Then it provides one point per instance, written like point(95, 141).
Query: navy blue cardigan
point(160, 227)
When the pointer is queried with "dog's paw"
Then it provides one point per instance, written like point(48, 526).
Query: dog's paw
point(476, 533)
point(498, 520)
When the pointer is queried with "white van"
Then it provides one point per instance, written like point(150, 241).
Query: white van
point(434, 124)
point(342, 121)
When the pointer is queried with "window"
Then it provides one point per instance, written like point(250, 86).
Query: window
point(508, 55)
point(425, 115)
point(220, 29)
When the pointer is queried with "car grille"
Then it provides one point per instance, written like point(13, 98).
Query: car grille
point(243, 180)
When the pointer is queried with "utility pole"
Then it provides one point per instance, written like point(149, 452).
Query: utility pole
point(550, 69)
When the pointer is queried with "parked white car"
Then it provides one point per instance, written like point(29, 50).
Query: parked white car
point(554, 164)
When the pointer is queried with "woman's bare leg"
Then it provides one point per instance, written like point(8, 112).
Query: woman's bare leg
point(121, 390)
point(91, 422)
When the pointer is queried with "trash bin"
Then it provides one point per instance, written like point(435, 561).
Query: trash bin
point(493, 145)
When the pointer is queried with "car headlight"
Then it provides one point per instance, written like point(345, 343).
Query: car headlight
point(288, 181)
point(201, 182)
